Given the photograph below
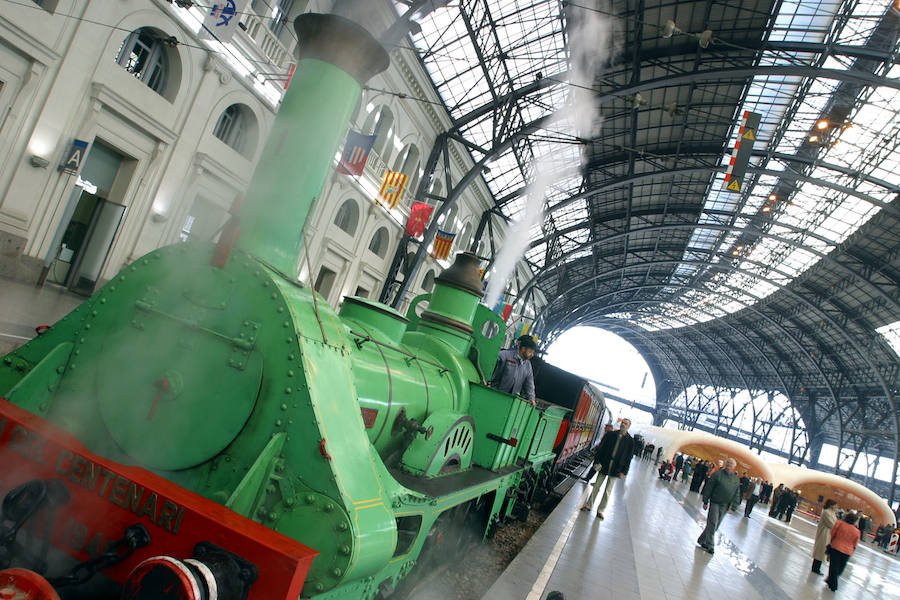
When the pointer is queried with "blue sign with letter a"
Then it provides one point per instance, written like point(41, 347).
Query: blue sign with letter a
point(74, 156)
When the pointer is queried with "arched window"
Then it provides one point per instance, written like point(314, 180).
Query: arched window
point(378, 244)
point(380, 123)
point(436, 187)
point(408, 163)
point(448, 219)
point(428, 281)
point(465, 237)
point(144, 55)
point(234, 128)
point(347, 217)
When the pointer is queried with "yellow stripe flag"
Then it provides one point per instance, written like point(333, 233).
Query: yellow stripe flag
point(392, 187)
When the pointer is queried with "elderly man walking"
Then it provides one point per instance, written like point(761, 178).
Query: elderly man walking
point(611, 459)
point(722, 493)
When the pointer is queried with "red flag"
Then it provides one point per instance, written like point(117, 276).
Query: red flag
point(418, 217)
point(506, 310)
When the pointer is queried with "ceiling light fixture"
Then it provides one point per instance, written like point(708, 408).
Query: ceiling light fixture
point(822, 124)
point(773, 197)
point(705, 38)
point(669, 29)
point(813, 139)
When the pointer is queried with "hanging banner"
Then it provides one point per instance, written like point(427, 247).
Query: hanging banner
point(222, 19)
point(356, 152)
point(743, 148)
point(392, 187)
point(418, 218)
point(443, 241)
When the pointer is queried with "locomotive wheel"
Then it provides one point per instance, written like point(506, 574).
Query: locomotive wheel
point(22, 584)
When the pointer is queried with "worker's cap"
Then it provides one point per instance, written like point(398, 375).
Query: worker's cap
point(527, 341)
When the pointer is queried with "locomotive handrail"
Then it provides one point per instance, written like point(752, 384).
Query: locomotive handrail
point(368, 338)
point(242, 343)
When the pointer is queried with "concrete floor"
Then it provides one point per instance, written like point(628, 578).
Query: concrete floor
point(24, 307)
point(646, 549)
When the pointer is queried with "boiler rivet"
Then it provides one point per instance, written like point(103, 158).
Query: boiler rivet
point(284, 407)
point(288, 390)
point(278, 423)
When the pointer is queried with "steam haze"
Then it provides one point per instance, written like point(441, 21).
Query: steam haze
point(590, 36)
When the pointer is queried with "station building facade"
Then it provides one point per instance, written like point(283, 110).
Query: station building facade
point(125, 127)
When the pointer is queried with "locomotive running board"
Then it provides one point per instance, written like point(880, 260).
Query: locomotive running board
point(107, 497)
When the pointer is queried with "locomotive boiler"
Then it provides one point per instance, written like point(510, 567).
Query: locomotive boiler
point(205, 426)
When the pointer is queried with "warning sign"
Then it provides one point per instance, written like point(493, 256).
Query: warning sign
point(743, 148)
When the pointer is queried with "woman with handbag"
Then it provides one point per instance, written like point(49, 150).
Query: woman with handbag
point(823, 532)
point(844, 537)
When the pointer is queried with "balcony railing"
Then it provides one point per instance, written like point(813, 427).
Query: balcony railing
point(267, 42)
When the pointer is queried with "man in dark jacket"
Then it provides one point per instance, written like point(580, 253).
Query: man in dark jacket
point(512, 371)
point(611, 459)
point(679, 462)
point(722, 492)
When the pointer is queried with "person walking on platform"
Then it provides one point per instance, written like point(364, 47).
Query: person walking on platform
point(722, 493)
point(679, 462)
point(766, 492)
point(612, 460)
point(686, 470)
point(754, 488)
point(844, 537)
point(776, 498)
point(823, 533)
point(700, 471)
point(793, 500)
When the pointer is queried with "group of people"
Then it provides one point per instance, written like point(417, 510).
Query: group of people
point(784, 502)
point(718, 483)
point(836, 539)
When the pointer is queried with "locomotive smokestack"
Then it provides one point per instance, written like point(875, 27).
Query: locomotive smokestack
point(335, 58)
point(451, 309)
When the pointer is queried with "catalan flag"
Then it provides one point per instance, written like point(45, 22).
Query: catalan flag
point(392, 187)
point(443, 241)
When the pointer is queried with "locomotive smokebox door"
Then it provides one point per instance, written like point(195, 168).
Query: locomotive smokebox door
point(182, 395)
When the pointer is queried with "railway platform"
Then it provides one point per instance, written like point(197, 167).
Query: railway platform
point(645, 549)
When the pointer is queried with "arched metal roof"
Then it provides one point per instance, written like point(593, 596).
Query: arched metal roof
point(782, 285)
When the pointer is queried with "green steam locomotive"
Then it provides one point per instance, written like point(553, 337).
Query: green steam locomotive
point(205, 427)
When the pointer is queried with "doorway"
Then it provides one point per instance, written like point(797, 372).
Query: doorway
point(91, 231)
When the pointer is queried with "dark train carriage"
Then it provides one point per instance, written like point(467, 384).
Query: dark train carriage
point(585, 403)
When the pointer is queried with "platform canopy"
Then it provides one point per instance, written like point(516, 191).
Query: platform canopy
point(786, 282)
